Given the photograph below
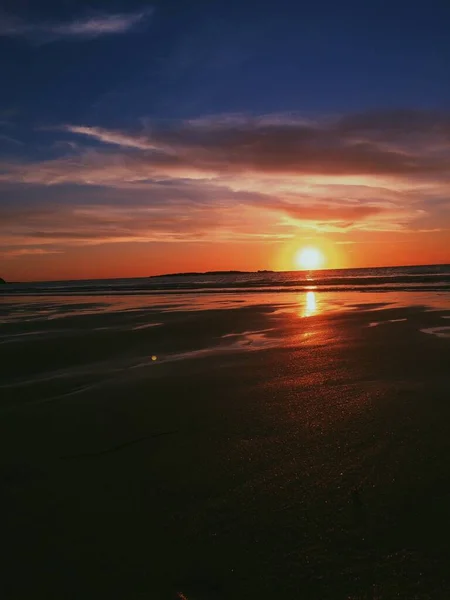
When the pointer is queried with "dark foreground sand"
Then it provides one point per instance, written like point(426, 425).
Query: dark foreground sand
point(310, 460)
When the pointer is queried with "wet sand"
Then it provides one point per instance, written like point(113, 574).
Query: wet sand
point(276, 448)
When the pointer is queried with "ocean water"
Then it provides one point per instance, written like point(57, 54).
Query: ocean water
point(216, 427)
point(411, 278)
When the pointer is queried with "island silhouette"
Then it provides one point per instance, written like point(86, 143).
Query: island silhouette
point(193, 273)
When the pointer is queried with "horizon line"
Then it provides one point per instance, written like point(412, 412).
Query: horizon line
point(228, 271)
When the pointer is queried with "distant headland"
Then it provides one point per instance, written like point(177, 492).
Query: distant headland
point(194, 273)
point(2, 281)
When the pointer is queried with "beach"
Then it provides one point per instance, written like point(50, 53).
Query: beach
point(226, 446)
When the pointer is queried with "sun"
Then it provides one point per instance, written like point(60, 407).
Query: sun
point(309, 259)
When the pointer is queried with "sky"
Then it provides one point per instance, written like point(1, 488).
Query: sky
point(143, 138)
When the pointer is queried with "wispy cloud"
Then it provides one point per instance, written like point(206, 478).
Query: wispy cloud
point(396, 143)
point(234, 179)
point(10, 140)
point(112, 137)
point(179, 212)
point(82, 28)
point(18, 252)
point(368, 156)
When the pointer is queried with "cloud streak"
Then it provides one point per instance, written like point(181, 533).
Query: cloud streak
point(77, 29)
point(18, 252)
point(378, 144)
point(115, 138)
point(225, 179)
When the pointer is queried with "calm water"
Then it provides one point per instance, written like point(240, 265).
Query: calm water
point(419, 278)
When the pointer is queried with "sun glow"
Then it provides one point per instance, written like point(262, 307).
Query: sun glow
point(309, 259)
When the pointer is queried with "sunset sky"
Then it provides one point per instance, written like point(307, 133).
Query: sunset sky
point(138, 139)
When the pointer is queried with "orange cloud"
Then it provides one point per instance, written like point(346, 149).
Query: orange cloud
point(232, 179)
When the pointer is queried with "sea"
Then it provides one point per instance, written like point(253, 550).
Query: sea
point(227, 435)
point(410, 278)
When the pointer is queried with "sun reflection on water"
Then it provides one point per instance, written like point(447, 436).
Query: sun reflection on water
point(310, 305)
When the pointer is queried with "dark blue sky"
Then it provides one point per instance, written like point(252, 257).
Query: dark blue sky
point(192, 58)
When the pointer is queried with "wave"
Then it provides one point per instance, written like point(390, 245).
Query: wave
point(419, 278)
